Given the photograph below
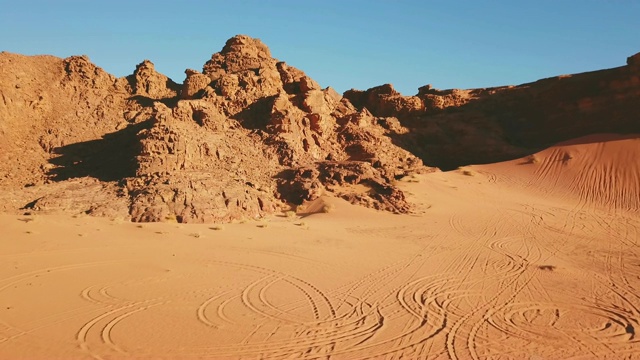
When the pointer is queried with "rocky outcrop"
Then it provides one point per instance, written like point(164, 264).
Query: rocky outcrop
point(219, 147)
point(194, 83)
point(147, 82)
point(195, 165)
point(51, 113)
point(250, 135)
point(197, 161)
point(634, 62)
point(356, 181)
point(384, 100)
point(460, 127)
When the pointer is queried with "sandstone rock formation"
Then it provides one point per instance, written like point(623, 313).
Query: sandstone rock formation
point(451, 128)
point(250, 135)
point(222, 146)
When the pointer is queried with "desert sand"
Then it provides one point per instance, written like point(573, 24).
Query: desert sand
point(534, 258)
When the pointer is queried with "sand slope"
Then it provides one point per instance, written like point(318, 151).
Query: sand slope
point(529, 259)
point(600, 170)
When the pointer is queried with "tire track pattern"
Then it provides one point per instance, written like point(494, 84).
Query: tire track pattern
point(497, 295)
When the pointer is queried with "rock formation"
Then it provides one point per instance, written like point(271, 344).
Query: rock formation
point(451, 128)
point(250, 135)
point(229, 143)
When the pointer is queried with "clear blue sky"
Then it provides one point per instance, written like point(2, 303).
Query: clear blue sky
point(343, 44)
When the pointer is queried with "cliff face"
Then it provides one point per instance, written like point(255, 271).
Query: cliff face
point(250, 135)
point(450, 128)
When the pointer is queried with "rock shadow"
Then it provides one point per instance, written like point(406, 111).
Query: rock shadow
point(508, 123)
point(111, 158)
point(256, 116)
point(146, 101)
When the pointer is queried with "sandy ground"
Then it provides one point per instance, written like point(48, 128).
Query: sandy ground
point(536, 258)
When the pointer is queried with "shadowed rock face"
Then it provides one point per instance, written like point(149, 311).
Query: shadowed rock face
point(250, 135)
point(451, 128)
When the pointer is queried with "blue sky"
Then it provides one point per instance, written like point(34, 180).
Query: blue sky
point(343, 44)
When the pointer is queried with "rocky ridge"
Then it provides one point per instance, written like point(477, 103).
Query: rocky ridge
point(246, 137)
point(451, 128)
point(250, 135)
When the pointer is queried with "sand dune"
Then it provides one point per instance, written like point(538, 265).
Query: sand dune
point(536, 258)
point(600, 170)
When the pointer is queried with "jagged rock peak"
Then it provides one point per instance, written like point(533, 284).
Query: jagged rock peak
point(80, 69)
point(193, 83)
point(241, 53)
point(384, 100)
point(144, 65)
point(246, 45)
point(146, 81)
point(80, 64)
point(634, 61)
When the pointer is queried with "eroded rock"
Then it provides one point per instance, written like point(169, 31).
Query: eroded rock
point(250, 135)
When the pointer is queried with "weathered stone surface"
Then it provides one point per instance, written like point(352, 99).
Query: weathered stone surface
point(54, 114)
point(197, 161)
point(250, 135)
point(460, 127)
point(384, 100)
point(194, 83)
point(146, 81)
point(356, 181)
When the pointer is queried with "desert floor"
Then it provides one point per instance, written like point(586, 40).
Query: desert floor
point(535, 258)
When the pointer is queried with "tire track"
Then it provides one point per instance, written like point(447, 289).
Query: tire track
point(12, 280)
point(333, 332)
point(201, 311)
point(106, 333)
point(296, 282)
point(545, 324)
point(83, 332)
